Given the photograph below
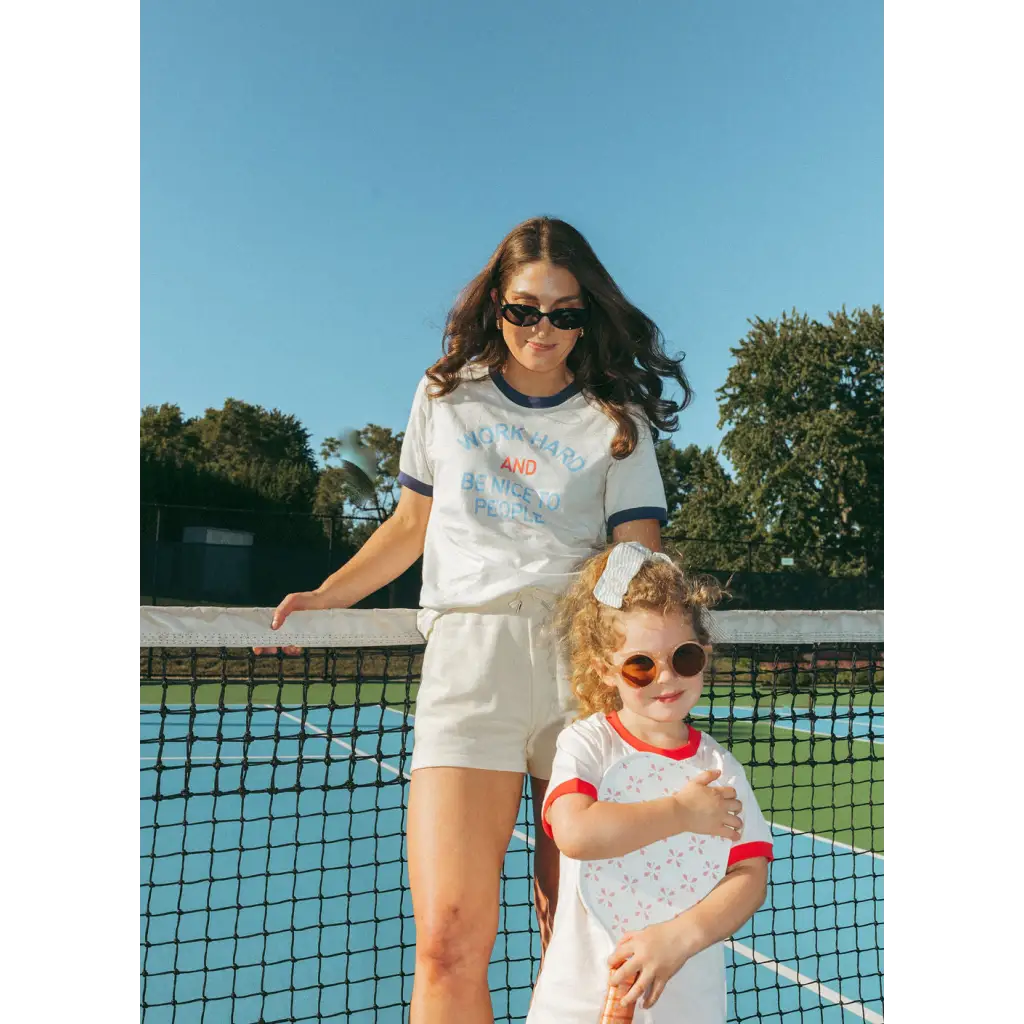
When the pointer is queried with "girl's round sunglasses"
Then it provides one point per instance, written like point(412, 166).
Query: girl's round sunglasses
point(687, 660)
point(526, 316)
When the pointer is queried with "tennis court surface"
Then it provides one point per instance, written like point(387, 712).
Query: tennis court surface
point(273, 884)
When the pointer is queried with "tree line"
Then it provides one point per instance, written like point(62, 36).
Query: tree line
point(801, 412)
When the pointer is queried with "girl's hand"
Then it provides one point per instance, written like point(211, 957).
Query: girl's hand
point(709, 810)
point(305, 601)
point(653, 956)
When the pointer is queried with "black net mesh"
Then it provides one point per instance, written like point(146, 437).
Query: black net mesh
point(273, 884)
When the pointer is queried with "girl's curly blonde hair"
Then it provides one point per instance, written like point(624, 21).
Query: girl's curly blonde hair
point(586, 627)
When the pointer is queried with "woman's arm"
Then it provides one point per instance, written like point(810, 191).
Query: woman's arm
point(391, 549)
point(646, 531)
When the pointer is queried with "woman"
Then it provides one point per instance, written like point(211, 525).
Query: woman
point(529, 440)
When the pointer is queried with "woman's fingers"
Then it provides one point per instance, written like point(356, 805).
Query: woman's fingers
point(637, 990)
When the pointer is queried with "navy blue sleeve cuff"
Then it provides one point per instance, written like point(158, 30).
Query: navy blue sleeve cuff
point(631, 515)
point(416, 485)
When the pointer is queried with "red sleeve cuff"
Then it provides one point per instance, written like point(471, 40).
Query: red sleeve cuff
point(744, 851)
point(572, 786)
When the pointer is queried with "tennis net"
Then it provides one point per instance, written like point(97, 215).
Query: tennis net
point(273, 792)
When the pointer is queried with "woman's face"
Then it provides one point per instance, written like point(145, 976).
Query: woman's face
point(540, 348)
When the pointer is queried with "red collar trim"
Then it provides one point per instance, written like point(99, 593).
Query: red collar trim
point(678, 754)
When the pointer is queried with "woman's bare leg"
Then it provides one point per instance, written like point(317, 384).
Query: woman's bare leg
point(459, 824)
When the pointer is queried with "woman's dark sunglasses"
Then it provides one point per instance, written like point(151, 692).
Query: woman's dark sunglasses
point(687, 660)
point(526, 316)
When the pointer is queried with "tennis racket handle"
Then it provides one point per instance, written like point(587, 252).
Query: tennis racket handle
point(614, 1012)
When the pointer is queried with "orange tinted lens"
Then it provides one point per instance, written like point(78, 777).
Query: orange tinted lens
point(639, 670)
point(689, 660)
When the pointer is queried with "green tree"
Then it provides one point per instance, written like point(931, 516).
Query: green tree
point(708, 522)
point(675, 465)
point(240, 457)
point(265, 450)
point(803, 404)
point(165, 436)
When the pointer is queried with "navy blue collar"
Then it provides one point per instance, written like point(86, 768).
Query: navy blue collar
point(531, 401)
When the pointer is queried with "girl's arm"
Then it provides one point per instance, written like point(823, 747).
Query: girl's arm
point(657, 953)
point(587, 829)
point(725, 909)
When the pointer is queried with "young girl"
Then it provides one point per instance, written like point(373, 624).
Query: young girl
point(637, 636)
point(529, 440)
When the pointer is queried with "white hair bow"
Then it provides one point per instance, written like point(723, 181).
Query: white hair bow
point(624, 562)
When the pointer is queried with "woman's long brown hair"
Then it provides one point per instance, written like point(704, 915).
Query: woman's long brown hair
point(619, 361)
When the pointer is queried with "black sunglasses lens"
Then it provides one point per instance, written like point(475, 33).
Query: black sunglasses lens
point(521, 316)
point(639, 670)
point(568, 319)
point(689, 660)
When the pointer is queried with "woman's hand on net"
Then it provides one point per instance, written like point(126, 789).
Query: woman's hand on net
point(304, 601)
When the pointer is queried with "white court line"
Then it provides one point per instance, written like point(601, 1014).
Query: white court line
point(829, 735)
point(238, 757)
point(822, 839)
point(820, 710)
point(781, 723)
point(859, 1009)
point(362, 753)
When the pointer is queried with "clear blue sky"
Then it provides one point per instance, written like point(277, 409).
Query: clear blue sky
point(319, 179)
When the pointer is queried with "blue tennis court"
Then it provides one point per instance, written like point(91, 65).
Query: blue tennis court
point(274, 888)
